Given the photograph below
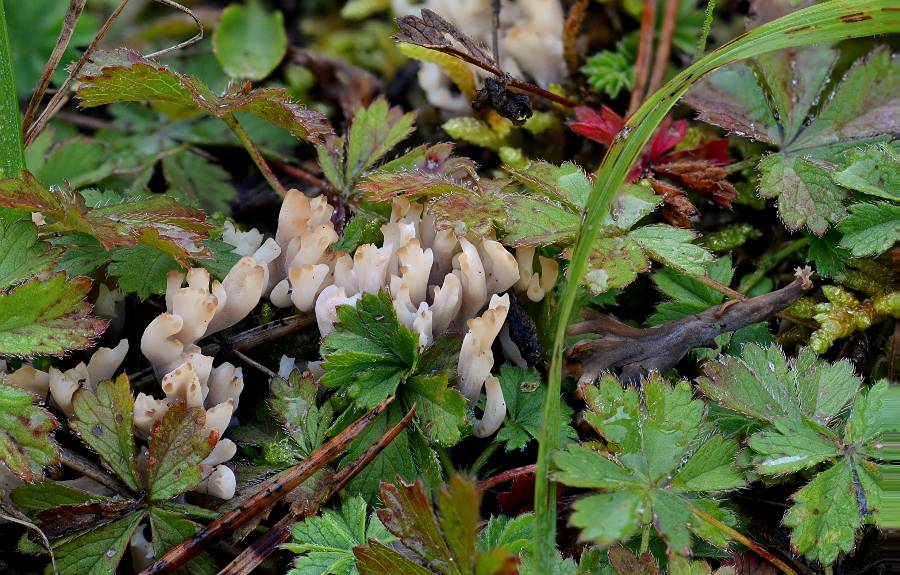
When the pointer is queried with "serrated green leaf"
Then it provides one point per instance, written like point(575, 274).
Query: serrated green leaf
point(81, 254)
point(361, 229)
point(871, 229)
point(524, 394)
point(689, 296)
point(48, 494)
point(197, 181)
point(141, 270)
point(826, 255)
point(325, 543)
point(789, 447)
point(96, 552)
point(873, 170)
point(223, 259)
point(168, 529)
point(407, 514)
point(47, 317)
point(25, 443)
point(538, 222)
point(711, 468)
point(620, 512)
point(566, 183)
point(178, 443)
point(609, 72)
point(869, 415)
point(21, 254)
point(672, 246)
point(513, 535)
point(377, 559)
point(78, 161)
point(104, 419)
point(249, 41)
point(441, 409)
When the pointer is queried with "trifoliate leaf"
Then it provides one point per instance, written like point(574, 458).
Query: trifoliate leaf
point(98, 551)
point(123, 75)
point(859, 110)
point(370, 353)
point(325, 542)
point(104, 419)
point(873, 170)
point(524, 395)
point(21, 254)
point(197, 181)
point(662, 458)
point(141, 270)
point(25, 443)
point(249, 40)
point(790, 446)
point(178, 443)
point(47, 317)
point(871, 229)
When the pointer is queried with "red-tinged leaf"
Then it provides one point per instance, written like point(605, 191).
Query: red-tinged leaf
point(64, 520)
point(601, 127)
point(123, 75)
point(378, 559)
point(384, 186)
point(520, 497)
point(178, 443)
point(749, 563)
point(28, 193)
point(25, 443)
point(407, 514)
point(474, 212)
point(47, 317)
point(436, 159)
point(459, 504)
point(701, 177)
point(625, 562)
point(666, 138)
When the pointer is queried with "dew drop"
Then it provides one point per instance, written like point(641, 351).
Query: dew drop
point(111, 552)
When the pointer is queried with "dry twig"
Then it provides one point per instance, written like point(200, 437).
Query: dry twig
point(645, 48)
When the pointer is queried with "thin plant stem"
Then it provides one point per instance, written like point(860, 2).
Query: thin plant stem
point(484, 456)
point(664, 49)
point(704, 33)
point(507, 475)
point(645, 539)
point(770, 261)
point(255, 155)
point(645, 48)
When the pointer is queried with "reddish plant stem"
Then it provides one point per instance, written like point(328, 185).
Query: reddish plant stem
point(287, 481)
point(302, 175)
point(645, 48)
point(664, 49)
point(571, 28)
point(507, 475)
point(260, 549)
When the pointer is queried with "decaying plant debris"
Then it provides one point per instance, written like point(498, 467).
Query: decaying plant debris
point(487, 287)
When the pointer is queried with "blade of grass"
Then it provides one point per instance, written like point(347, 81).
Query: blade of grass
point(828, 22)
point(12, 152)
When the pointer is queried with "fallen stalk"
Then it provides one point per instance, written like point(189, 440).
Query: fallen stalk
point(287, 481)
point(260, 549)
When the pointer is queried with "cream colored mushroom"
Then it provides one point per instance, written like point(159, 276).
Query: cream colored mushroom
point(220, 482)
point(244, 243)
point(29, 379)
point(500, 267)
point(105, 361)
point(147, 411)
point(446, 303)
point(141, 550)
point(494, 409)
point(306, 283)
point(415, 269)
point(475, 356)
point(535, 285)
point(472, 279)
point(225, 382)
point(327, 304)
point(370, 266)
point(243, 286)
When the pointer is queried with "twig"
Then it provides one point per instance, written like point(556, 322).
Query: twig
point(571, 28)
point(287, 481)
point(639, 351)
point(257, 157)
point(741, 538)
point(302, 175)
point(260, 549)
point(195, 38)
point(62, 42)
point(62, 95)
point(91, 470)
point(255, 364)
point(506, 476)
point(85, 121)
point(664, 49)
point(645, 47)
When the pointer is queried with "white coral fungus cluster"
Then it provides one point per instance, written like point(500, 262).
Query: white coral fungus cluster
point(531, 41)
point(439, 282)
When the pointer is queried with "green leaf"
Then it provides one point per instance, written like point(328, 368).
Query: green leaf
point(125, 76)
point(870, 229)
point(802, 173)
point(325, 543)
point(25, 443)
point(513, 535)
point(609, 72)
point(766, 386)
point(672, 246)
point(178, 443)
point(223, 259)
point(96, 552)
point(362, 229)
point(141, 270)
point(104, 419)
point(48, 494)
point(370, 352)
point(21, 254)
point(791, 446)
point(688, 296)
point(377, 559)
point(524, 394)
point(79, 161)
point(197, 181)
point(168, 529)
point(407, 514)
point(81, 254)
point(873, 170)
point(47, 317)
point(566, 183)
point(459, 505)
point(868, 416)
point(249, 41)
point(440, 408)
point(660, 456)
point(827, 256)
point(293, 403)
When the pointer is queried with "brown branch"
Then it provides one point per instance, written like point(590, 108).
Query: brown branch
point(62, 42)
point(639, 351)
point(286, 481)
point(302, 175)
point(91, 470)
point(507, 475)
point(260, 549)
point(254, 364)
point(645, 48)
point(62, 95)
point(664, 49)
point(571, 28)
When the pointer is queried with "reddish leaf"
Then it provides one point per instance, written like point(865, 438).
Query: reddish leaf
point(624, 562)
point(67, 519)
point(601, 127)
